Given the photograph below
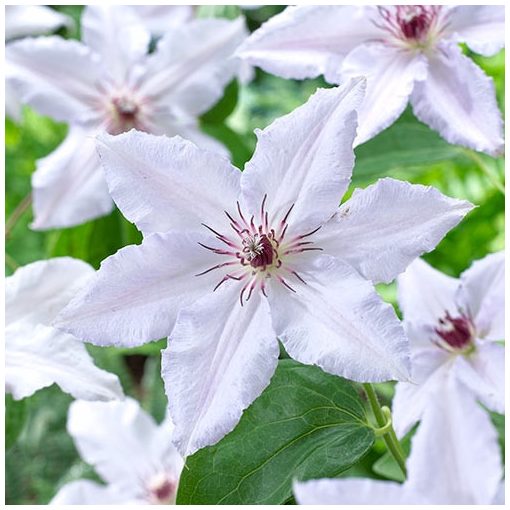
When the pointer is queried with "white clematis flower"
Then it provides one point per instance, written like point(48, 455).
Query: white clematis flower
point(232, 261)
point(406, 52)
point(36, 354)
point(454, 326)
point(130, 452)
point(110, 82)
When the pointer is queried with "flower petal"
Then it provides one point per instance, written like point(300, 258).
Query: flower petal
point(391, 75)
point(381, 229)
point(193, 63)
point(425, 294)
point(23, 20)
point(35, 293)
point(305, 159)
point(55, 76)
point(483, 372)
point(338, 322)
point(459, 101)
point(306, 41)
point(481, 27)
point(159, 19)
point(68, 185)
point(455, 457)
point(351, 491)
point(429, 372)
point(136, 294)
point(87, 492)
point(116, 34)
point(482, 295)
point(114, 438)
point(38, 356)
point(220, 357)
point(161, 183)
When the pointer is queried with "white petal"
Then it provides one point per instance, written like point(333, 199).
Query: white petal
point(136, 294)
point(381, 229)
point(220, 357)
point(162, 183)
point(114, 438)
point(193, 63)
point(499, 499)
point(481, 27)
point(425, 294)
point(87, 492)
point(159, 19)
point(23, 20)
point(56, 76)
point(68, 185)
point(338, 322)
point(351, 491)
point(117, 35)
point(306, 41)
point(429, 370)
point(483, 372)
point(459, 101)
point(391, 75)
point(38, 356)
point(305, 159)
point(455, 457)
point(35, 293)
point(482, 295)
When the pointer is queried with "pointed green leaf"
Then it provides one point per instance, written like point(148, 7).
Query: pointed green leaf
point(306, 424)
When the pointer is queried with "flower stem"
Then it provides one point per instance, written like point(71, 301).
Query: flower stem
point(21, 208)
point(389, 437)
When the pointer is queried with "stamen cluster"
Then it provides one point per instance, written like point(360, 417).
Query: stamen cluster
point(455, 333)
point(258, 251)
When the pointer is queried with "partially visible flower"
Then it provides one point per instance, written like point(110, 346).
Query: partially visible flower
point(128, 450)
point(20, 21)
point(110, 82)
point(406, 52)
point(454, 327)
point(232, 261)
point(36, 354)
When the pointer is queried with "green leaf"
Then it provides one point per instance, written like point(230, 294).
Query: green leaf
point(306, 424)
point(406, 146)
point(225, 106)
point(15, 414)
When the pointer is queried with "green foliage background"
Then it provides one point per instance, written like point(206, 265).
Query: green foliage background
point(41, 456)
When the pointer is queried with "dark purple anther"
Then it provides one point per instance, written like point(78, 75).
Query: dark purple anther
point(457, 332)
point(263, 255)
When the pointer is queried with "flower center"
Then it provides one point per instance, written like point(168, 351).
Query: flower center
point(415, 26)
point(256, 251)
point(162, 489)
point(455, 334)
point(124, 114)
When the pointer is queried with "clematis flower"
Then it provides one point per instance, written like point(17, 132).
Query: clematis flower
point(230, 261)
point(406, 52)
point(129, 451)
point(453, 326)
point(37, 355)
point(110, 82)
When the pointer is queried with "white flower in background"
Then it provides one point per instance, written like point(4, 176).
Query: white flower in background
point(406, 52)
point(128, 450)
point(232, 261)
point(109, 82)
point(36, 354)
point(453, 326)
point(20, 21)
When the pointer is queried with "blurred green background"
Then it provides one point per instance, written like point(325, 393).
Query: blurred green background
point(41, 456)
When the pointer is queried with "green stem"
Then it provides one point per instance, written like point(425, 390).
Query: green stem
point(390, 438)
